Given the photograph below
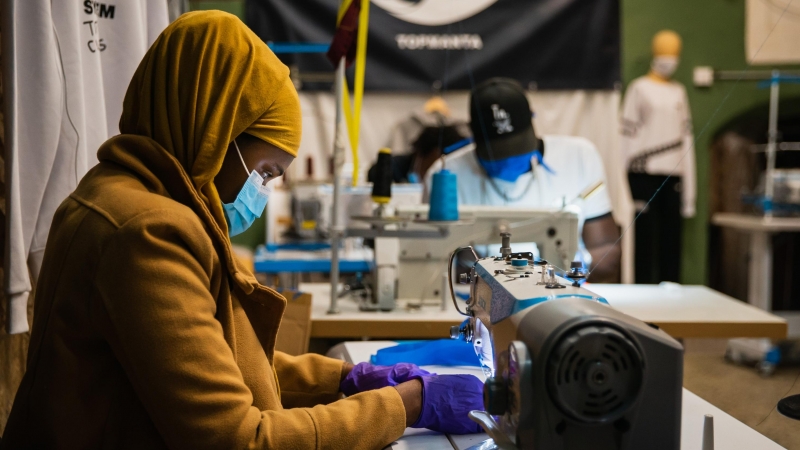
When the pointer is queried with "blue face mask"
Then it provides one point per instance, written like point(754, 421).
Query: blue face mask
point(249, 204)
point(511, 168)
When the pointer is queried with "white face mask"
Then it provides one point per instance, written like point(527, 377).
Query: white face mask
point(664, 66)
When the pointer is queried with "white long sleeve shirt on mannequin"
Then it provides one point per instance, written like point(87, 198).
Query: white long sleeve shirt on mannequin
point(657, 134)
point(66, 67)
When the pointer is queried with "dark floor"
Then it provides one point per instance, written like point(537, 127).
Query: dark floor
point(741, 392)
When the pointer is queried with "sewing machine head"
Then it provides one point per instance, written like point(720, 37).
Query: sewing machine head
point(564, 369)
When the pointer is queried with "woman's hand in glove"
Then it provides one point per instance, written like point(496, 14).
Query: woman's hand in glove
point(366, 377)
point(447, 401)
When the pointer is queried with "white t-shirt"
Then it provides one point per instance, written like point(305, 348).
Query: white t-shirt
point(657, 135)
point(574, 161)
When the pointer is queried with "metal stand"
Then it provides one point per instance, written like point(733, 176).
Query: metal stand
point(772, 137)
point(337, 230)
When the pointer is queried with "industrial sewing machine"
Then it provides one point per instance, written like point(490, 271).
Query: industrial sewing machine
point(565, 370)
point(552, 232)
point(411, 252)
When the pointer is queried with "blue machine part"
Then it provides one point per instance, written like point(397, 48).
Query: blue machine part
point(268, 260)
point(505, 306)
point(773, 356)
point(307, 246)
point(763, 84)
point(309, 265)
point(766, 205)
point(524, 304)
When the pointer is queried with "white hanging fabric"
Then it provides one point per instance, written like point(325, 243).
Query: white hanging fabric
point(66, 67)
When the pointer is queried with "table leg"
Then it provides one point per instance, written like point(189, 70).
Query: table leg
point(759, 289)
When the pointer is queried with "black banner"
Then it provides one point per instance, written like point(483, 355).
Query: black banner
point(424, 45)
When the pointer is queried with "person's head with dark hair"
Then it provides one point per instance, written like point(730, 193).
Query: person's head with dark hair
point(429, 145)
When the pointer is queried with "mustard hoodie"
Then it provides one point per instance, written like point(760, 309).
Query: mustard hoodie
point(146, 332)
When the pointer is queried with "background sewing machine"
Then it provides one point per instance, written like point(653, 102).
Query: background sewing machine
point(298, 230)
point(421, 263)
point(304, 212)
point(565, 370)
point(411, 252)
point(404, 252)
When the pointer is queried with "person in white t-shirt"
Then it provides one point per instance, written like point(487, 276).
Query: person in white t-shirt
point(509, 165)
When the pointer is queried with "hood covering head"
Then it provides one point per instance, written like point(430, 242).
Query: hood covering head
point(206, 79)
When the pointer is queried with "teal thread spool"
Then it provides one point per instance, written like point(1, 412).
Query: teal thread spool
point(444, 197)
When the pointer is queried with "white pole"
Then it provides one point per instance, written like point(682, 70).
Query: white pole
point(337, 229)
point(772, 137)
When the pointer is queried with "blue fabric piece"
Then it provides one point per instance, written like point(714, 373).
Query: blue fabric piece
point(442, 352)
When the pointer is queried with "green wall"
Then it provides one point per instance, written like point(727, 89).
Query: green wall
point(713, 35)
point(235, 7)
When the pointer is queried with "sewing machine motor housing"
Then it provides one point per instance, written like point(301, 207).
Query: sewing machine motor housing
point(570, 372)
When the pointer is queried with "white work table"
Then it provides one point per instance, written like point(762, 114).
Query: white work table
point(759, 278)
point(681, 311)
point(729, 433)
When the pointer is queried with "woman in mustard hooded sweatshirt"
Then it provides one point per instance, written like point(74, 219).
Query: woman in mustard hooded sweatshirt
point(147, 332)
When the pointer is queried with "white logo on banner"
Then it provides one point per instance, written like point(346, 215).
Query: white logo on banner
point(439, 41)
point(502, 120)
point(433, 12)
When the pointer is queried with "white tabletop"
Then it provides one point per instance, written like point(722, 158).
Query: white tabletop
point(756, 223)
point(729, 433)
point(682, 311)
point(691, 311)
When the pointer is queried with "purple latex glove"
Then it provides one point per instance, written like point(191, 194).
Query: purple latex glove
point(366, 377)
point(447, 401)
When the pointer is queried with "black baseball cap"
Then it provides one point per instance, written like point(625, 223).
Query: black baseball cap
point(500, 118)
